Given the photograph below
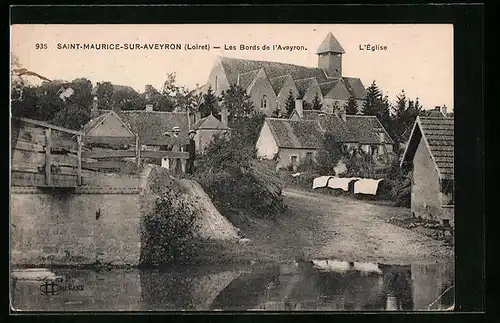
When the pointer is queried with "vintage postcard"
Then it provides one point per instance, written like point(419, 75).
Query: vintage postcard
point(232, 167)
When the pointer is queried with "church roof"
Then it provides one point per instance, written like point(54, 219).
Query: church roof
point(235, 66)
point(302, 134)
point(328, 86)
point(330, 45)
point(303, 85)
point(355, 87)
point(245, 79)
point(278, 82)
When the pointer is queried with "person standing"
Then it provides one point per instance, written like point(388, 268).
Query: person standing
point(175, 162)
point(191, 149)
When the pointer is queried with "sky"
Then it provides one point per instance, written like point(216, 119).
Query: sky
point(418, 58)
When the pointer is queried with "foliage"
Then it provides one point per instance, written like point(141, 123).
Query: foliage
point(329, 155)
point(209, 104)
point(351, 106)
point(247, 129)
point(289, 104)
point(168, 230)
point(316, 103)
point(237, 102)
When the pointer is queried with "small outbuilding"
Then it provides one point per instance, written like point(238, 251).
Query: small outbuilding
point(430, 155)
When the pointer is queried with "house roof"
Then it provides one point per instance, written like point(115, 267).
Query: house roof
point(438, 135)
point(153, 125)
point(296, 134)
point(330, 45)
point(303, 84)
point(209, 122)
point(234, 66)
point(310, 114)
point(278, 82)
point(104, 114)
point(366, 129)
point(434, 113)
point(340, 129)
point(355, 87)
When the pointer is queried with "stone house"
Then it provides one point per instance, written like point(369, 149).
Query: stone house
point(207, 127)
point(268, 83)
point(430, 155)
point(353, 131)
point(289, 142)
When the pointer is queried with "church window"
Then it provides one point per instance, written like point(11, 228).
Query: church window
point(263, 102)
point(216, 83)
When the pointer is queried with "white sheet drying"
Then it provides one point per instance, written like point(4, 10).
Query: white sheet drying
point(321, 181)
point(366, 186)
point(342, 183)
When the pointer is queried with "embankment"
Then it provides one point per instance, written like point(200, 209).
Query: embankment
point(99, 222)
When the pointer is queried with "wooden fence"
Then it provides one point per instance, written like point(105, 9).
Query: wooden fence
point(45, 155)
point(127, 148)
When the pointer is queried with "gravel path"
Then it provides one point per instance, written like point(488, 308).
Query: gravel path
point(337, 227)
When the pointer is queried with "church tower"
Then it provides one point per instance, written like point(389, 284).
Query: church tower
point(330, 56)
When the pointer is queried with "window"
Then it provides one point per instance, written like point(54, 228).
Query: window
point(263, 102)
point(309, 156)
point(293, 160)
point(216, 86)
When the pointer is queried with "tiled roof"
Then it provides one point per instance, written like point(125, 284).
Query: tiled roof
point(244, 79)
point(355, 87)
point(235, 66)
point(439, 137)
point(332, 123)
point(153, 125)
point(209, 122)
point(366, 128)
point(330, 45)
point(328, 86)
point(278, 82)
point(303, 84)
point(310, 114)
point(434, 113)
point(296, 134)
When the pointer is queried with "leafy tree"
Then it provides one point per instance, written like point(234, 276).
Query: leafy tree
point(209, 104)
point(351, 106)
point(329, 155)
point(72, 116)
point(237, 101)
point(126, 98)
point(276, 113)
point(289, 104)
point(316, 103)
point(306, 105)
point(104, 93)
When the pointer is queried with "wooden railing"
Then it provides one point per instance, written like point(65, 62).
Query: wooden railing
point(45, 155)
point(115, 158)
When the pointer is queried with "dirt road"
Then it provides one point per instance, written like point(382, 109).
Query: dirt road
point(338, 227)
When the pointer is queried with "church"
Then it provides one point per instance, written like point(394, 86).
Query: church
point(269, 83)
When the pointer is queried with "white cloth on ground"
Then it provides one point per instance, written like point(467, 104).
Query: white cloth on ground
point(340, 168)
point(296, 174)
point(366, 186)
point(342, 183)
point(321, 181)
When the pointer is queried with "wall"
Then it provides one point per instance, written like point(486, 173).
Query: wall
point(284, 92)
point(312, 91)
point(111, 127)
point(218, 72)
point(266, 145)
point(425, 188)
point(88, 225)
point(262, 87)
point(286, 153)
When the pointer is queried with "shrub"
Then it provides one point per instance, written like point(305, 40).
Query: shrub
point(169, 229)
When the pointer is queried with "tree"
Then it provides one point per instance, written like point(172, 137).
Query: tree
point(316, 103)
point(276, 113)
point(104, 94)
point(237, 102)
point(329, 155)
point(373, 98)
point(209, 103)
point(351, 106)
point(289, 104)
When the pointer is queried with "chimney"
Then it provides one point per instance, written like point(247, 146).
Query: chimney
point(299, 107)
point(149, 108)
point(444, 110)
point(437, 108)
point(95, 106)
point(223, 116)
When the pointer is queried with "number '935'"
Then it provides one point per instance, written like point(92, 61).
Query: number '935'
point(41, 46)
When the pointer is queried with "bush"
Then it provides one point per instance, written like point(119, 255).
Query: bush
point(169, 229)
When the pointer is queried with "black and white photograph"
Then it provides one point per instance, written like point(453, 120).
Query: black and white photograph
point(232, 167)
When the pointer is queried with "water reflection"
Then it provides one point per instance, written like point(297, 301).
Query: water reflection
point(328, 285)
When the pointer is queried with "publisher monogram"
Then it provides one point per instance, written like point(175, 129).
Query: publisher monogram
point(54, 288)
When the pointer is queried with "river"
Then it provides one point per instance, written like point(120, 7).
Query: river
point(318, 285)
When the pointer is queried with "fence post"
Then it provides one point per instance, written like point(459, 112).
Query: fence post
point(137, 152)
point(79, 155)
point(48, 159)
